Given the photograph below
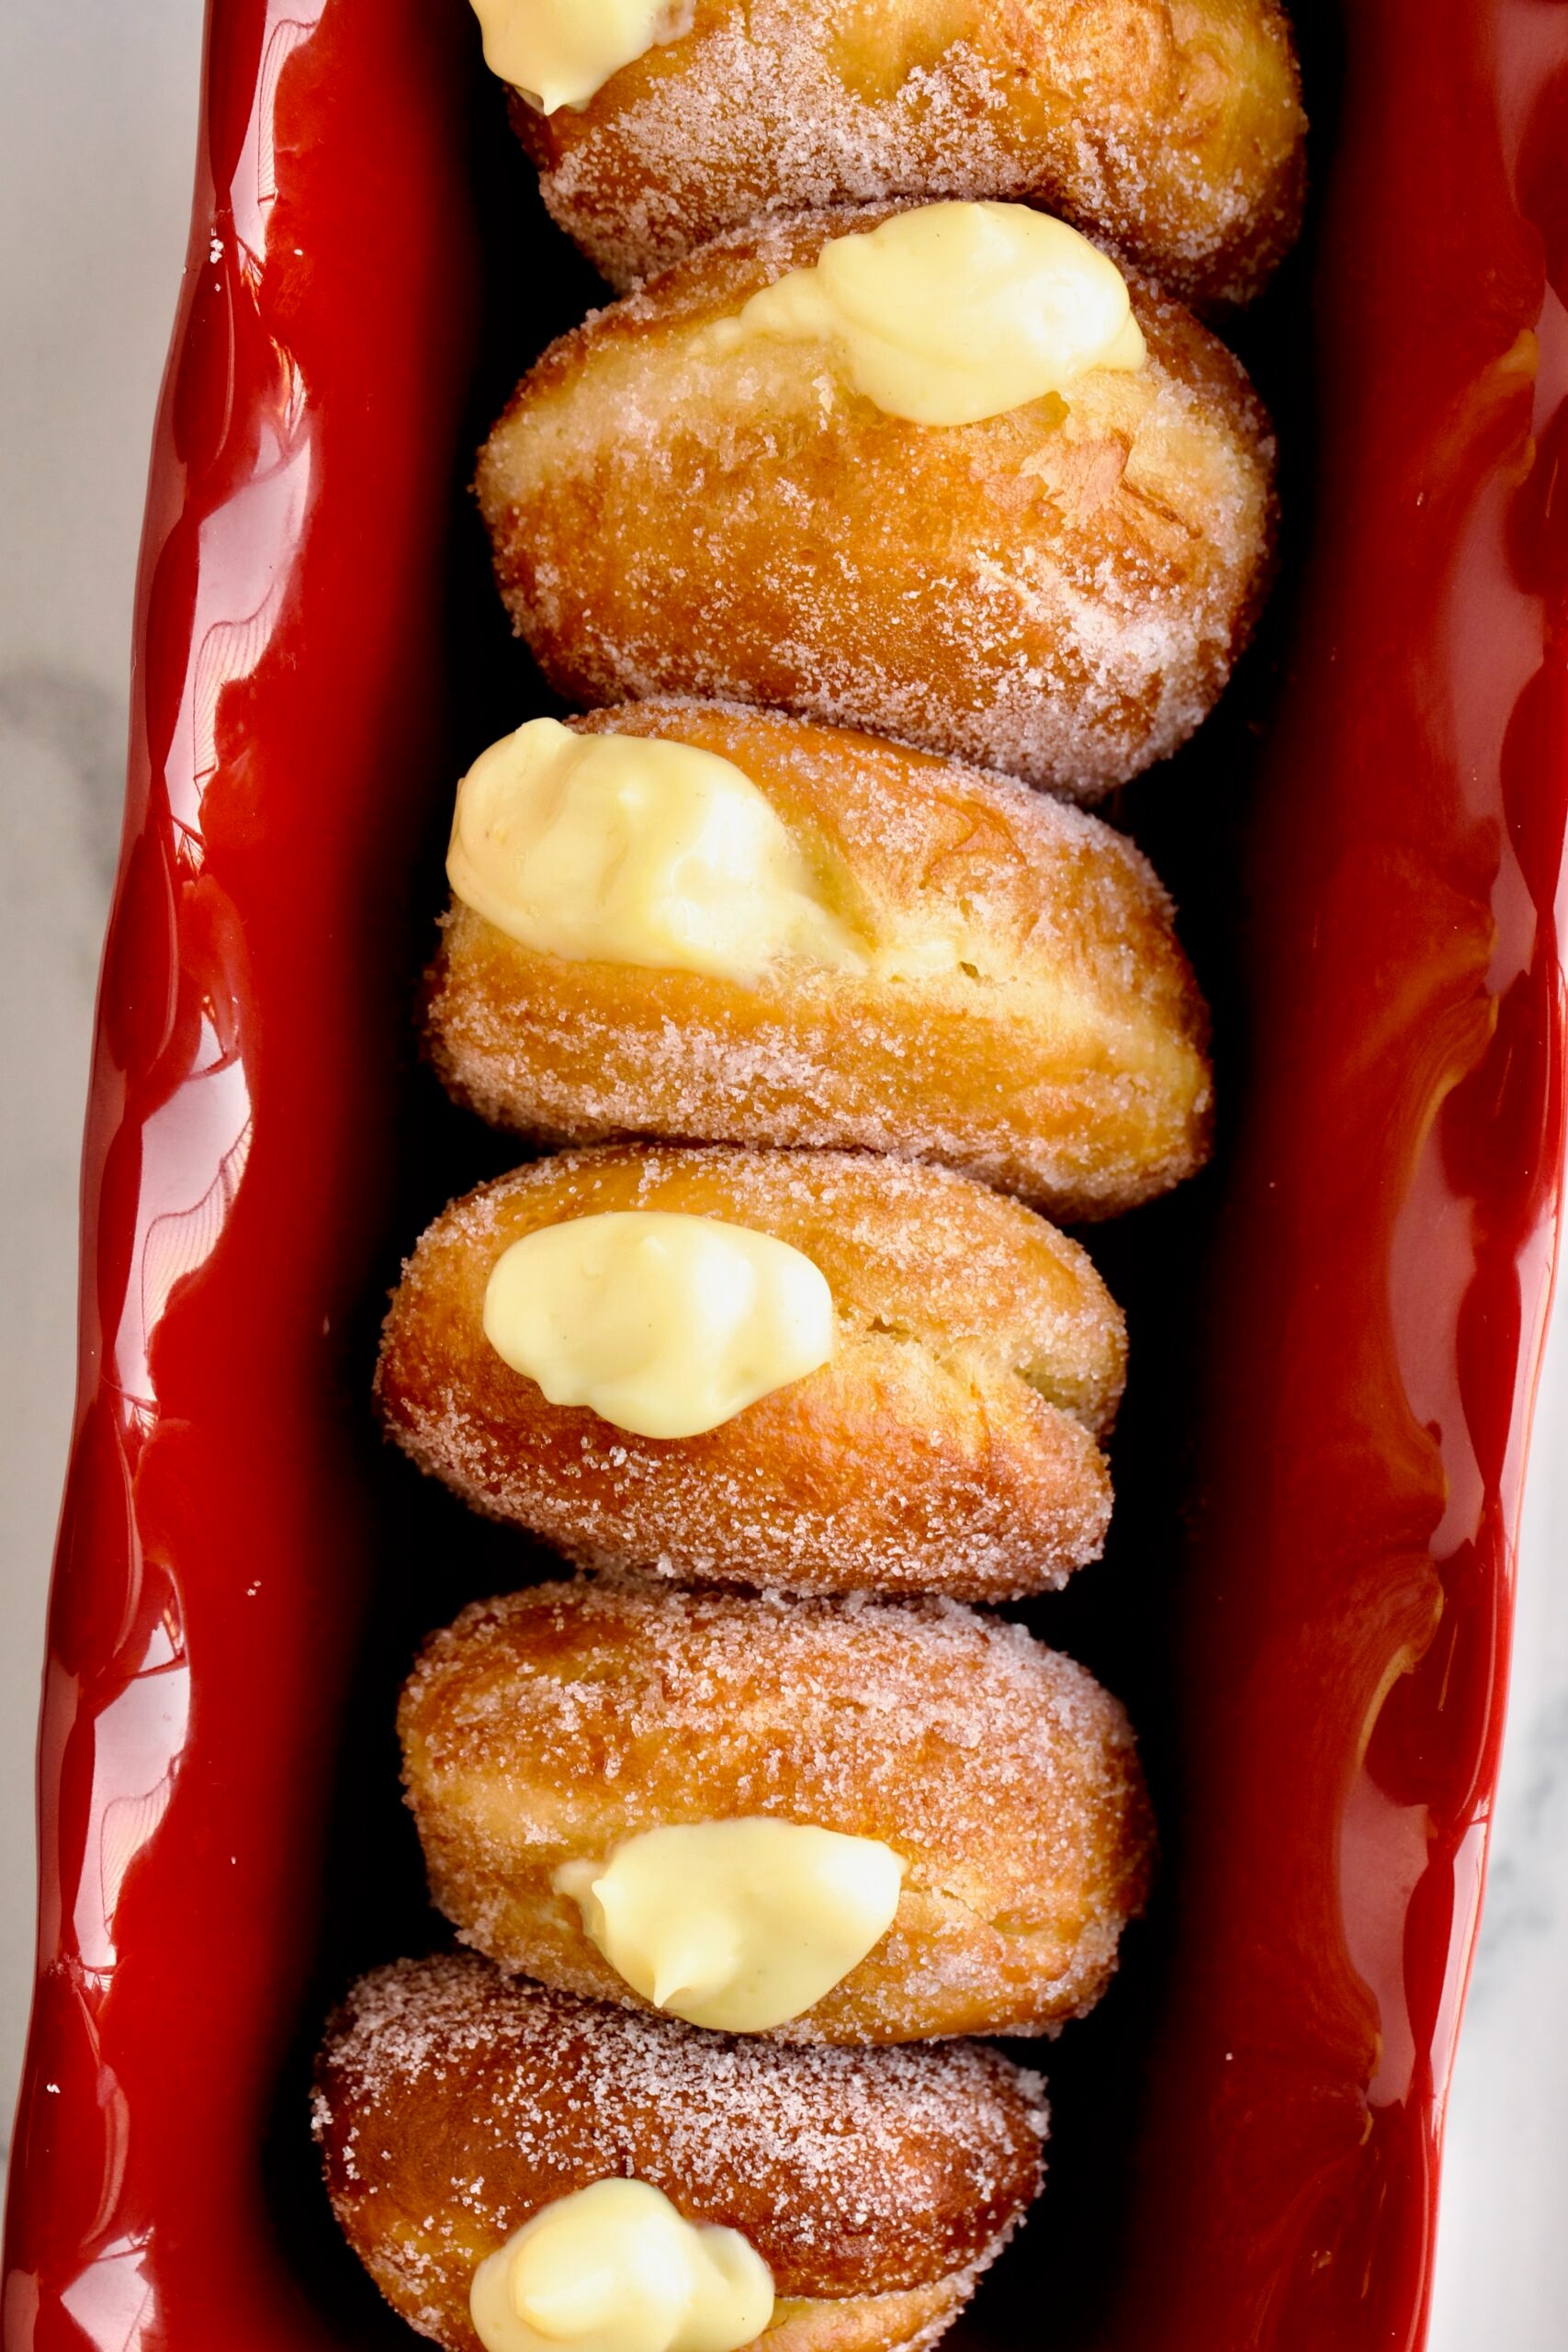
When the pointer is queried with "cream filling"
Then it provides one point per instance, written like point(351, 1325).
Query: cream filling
point(559, 52)
point(737, 1925)
point(626, 849)
point(663, 1324)
point(952, 312)
point(615, 2268)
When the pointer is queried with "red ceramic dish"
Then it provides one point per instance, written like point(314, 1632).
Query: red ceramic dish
point(1335, 1333)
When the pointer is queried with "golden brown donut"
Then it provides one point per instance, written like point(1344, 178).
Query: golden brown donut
point(950, 1445)
point(549, 1727)
point(452, 2103)
point(1063, 1056)
point(1175, 131)
point(1058, 592)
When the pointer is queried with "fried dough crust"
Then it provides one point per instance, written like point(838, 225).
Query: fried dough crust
point(451, 2103)
point(948, 1446)
point(1059, 592)
point(549, 1727)
point(1062, 1057)
point(1175, 131)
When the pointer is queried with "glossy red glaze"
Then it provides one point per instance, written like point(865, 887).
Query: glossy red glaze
point(1374, 1292)
point(1390, 1215)
point(215, 1555)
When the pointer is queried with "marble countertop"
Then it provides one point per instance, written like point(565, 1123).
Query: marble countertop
point(98, 109)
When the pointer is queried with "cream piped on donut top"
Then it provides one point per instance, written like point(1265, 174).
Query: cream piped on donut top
point(625, 849)
point(557, 52)
point(614, 2267)
point(664, 1324)
point(737, 1925)
point(952, 312)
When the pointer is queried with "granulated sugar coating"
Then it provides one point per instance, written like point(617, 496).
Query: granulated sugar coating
point(949, 1446)
point(1058, 592)
point(1024, 1011)
point(549, 1726)
point(451, 2103)
point(1175, 131)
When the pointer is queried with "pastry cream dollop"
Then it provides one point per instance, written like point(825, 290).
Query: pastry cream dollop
point(557, 52)
point(664, 1324)
point(615, 2268)
point(952, 312)
point(623, 849)
point(738, 1925)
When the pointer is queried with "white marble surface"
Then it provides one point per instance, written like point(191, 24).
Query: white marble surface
point(96, 121)
point(97, 114)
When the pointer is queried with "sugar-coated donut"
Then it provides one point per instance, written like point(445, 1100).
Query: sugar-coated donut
point(1058, 591)
point(545, 1728)
point(949, 1445)
point(1176, 132)
point(452, 2103)
point(1053, 1043)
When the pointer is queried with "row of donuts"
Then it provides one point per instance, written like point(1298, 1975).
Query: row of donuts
point(744, 1824)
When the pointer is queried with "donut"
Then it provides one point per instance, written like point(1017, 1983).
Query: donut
point(547, 1729)
point(1176, 132)
point(453, 2104)
point(682, 503)
point(1015, 1004)
point(939, 1434)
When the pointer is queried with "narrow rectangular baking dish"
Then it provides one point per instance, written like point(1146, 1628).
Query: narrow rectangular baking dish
point(1307, 1601)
